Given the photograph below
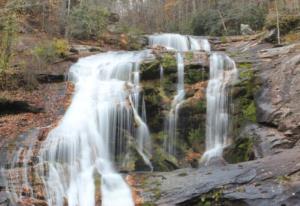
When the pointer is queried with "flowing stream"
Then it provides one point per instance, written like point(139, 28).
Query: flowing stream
point(222, 73)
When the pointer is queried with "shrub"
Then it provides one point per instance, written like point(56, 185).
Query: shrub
point(287, 23)
point(7, 39)
point(49, 51)
point(209, 22)
point(88, 21)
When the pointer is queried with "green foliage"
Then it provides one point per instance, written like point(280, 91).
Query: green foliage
point(168, 61)
point(210, 21)
point(250, 112)
point(49, 51)
point(241, 150)
point(283, 179)
point(195, 75)
point(88, 21)
point(201, 106)
point(8, 35)
point(25, 6)
point(287, 23)
point(196, 136)
point(247, 104)
point(162, 161)
point(213, 198)
point(245, 65)
point(129, 30)
point(189, 56)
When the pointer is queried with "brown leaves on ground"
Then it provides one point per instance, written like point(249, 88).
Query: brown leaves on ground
point(135, 192)
point(53, 98)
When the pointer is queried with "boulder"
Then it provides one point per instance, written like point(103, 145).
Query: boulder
point(246, 29)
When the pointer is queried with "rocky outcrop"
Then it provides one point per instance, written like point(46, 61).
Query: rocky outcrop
point(278, 100)
point(264, 151)
point(269, 181)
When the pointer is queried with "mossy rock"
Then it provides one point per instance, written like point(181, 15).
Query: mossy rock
point(243, 97)
point(169, 63)
point(191, 125)
point(193, 76)
point(196, 139)
point(241, 150)
point(150, 70)
point(162, 161)
point(154, 98)
point(214, 198)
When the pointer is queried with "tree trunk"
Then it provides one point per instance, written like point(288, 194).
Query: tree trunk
point(278, 26)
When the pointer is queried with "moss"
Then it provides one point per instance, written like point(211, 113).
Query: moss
point(196, 139)
point(168, 61)
point(201, 106)
point(250, 112)
point(244, 92)
point(150, 70)
point(245, 65)
point(283, 179)
point(189, 56)
point(223, 39)
point(182, 174)
point(213, 198)
point(162, 161)
point(240, 151)
point(195, 75)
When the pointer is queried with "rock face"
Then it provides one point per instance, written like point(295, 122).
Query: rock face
point(278, 101)
point(270, 181)
point(159, 91)
point(265, 137)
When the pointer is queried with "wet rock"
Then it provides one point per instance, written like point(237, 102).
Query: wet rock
point(4, 198)
point(249, 183)
point(78, 49)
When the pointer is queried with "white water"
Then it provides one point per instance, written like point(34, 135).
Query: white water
point(222, 73)
point(93, 132)
point(179, 43)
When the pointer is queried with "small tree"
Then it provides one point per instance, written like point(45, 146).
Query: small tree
point(277, 20)
point(87, 21)
point(7, 39)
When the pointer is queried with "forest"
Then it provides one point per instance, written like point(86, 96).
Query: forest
point(149, 102)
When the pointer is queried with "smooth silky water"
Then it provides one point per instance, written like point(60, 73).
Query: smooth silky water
point(180, 44)
point(223, 73)
point(106, 113)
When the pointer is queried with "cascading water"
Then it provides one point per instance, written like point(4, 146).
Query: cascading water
point(107, 114)
point(222, 73)
point(180, 44)
point(93, 132)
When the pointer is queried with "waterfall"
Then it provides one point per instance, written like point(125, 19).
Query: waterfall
point(93, 131)
point(222, 72)
point(180, 44)
point(106, 118)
